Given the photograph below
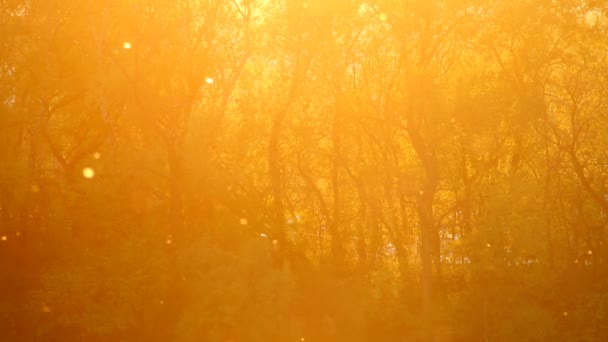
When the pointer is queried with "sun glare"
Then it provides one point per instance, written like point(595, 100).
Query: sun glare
point(304, 170)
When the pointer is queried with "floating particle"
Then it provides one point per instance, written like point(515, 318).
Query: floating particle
point(263, 235)
point(4, 238)
point(127, 45)
point(589, 252)
point(243, 221)
point(209, 80)
point(96, 155)
point(88, 173)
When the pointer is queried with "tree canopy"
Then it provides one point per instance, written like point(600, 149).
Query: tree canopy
point(319, 170)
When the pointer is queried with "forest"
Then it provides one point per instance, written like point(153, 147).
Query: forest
point(303, 170)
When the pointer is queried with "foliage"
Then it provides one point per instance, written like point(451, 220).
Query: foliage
point(339, 170)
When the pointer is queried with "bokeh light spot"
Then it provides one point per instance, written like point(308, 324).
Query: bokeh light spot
point(88, 173)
